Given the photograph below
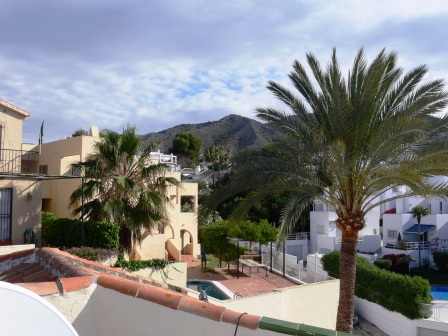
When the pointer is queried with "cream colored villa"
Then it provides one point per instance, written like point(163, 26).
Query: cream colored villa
point(179, 238)
point(19, 196)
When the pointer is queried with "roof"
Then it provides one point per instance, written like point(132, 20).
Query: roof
point(14, 108)
point(423, 228)
point(49, 271)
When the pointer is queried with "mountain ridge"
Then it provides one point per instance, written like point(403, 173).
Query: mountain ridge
point(233, 131)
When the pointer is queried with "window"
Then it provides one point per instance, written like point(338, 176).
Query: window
point(5, 213)
point(319, 207)
point(43, 169)
point(187, 204)
point(394, 189)
point(76, 170)
point(393, 234)
point(441, 208)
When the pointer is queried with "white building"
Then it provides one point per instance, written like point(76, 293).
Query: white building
point(326, 237)
point(400, 229)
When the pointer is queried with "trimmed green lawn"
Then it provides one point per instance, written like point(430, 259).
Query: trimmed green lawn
point(434, 277)
point(213, 261)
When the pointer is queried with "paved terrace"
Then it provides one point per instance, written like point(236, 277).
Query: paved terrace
point(256, 284)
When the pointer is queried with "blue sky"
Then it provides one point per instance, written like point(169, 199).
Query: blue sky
point(156, 64)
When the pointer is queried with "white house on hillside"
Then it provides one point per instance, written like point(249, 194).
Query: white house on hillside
point(399, 225)
point(326, 237)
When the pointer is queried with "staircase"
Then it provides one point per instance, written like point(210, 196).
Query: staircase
point(190, 260)
point(170, 257)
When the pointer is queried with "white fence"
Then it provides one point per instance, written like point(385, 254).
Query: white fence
point(287, 264)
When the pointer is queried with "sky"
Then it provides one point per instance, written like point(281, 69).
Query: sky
point(160, 63)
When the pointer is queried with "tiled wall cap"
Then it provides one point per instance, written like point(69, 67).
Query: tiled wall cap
point(41, 288)
point(162, 297)
point(197, 307)
point(73, 284)
point(121, 285)
point(19, 254)
point(246, 320)
point(16, 254)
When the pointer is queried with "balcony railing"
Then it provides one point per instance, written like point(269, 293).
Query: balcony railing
point(19, 161)
point(298, 236)
point(408, 246)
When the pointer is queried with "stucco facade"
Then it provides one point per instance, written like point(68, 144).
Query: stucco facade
point(179, 237)
point(19, 197)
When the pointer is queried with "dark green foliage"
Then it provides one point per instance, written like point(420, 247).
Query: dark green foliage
point(80, 132)
point(392, 291)
point(64, 232)
point(398, 265)
point(441, 261)
point(135, 265)
point(383, 263)
point(186, 143)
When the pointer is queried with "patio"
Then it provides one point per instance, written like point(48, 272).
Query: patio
point(256, 284)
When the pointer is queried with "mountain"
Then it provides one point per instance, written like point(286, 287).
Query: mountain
point(234, 131)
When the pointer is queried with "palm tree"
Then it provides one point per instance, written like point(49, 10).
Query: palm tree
point(217, 155)
point(419, 212)
point(345, 142)
point(124, 187)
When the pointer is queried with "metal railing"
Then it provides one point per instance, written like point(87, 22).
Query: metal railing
point(298, 236)
point(291, 268)
point(406, 246)
point(19, 161)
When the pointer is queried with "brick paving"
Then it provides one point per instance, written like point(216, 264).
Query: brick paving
point(246, 285)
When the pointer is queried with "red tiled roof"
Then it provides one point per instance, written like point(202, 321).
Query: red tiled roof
point(14, 108)
point(51, 271)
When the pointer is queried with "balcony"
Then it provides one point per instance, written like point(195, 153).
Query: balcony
point(19, 161)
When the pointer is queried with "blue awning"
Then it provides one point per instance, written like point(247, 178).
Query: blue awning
point(423, 228)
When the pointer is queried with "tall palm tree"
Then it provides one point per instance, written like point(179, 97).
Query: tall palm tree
point(124, 187)
point(217, 155)
point(344, 142)
point(419, 212)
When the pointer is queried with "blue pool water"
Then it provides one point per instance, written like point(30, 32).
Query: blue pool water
point(210, 288)
point(439, 292)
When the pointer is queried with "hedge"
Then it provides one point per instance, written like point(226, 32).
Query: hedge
point(441, 261)
point(393, 291)
point(67, 233)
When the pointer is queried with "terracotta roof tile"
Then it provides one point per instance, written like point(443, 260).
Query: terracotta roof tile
point(41, 288)
point(246, 320)
point(160, 296)
point(73, 284)
point(74, 273)
point(200, 308)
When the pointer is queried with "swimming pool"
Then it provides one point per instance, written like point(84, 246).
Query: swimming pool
point(212, 288)
point(439, 292)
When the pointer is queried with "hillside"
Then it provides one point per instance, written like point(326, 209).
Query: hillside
point(234, 131)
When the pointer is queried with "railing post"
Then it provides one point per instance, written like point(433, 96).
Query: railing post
point(284, 258)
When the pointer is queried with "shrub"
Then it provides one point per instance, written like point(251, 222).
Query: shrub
point(441, 261)
point(383, 264)
point(90, 253)
point(64, 232)
point(395, 292)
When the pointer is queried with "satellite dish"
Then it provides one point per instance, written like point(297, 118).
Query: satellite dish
point(23, 312)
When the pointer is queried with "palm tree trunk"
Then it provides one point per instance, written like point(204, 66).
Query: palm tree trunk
point(347, 275)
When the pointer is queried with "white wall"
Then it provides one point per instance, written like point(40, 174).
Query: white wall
point(392, 323)
point(103, 316)
point(176, 272)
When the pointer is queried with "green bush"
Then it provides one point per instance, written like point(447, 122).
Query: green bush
point(90, 253)
point(383, 263)
point(67, 233)
point(441, 261)
point(395, 292)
